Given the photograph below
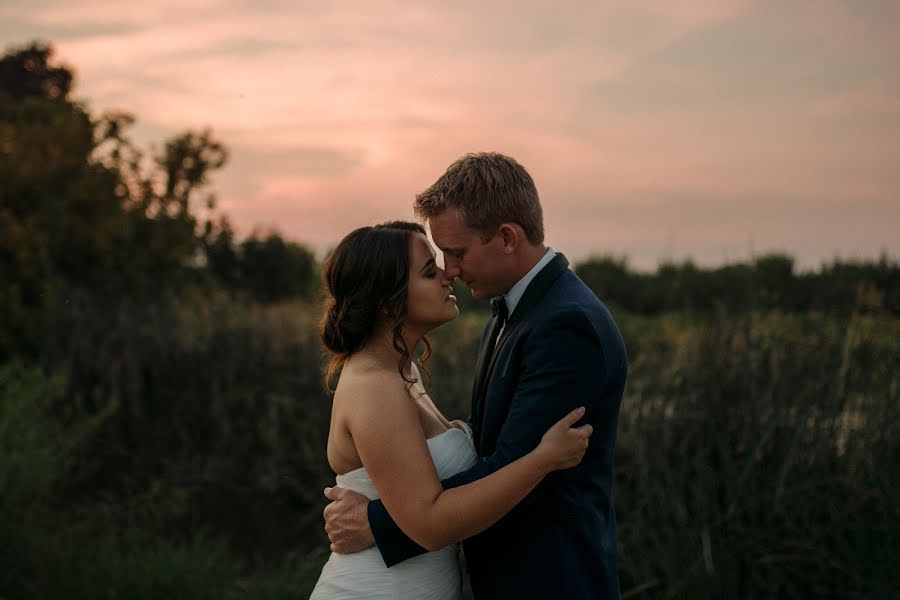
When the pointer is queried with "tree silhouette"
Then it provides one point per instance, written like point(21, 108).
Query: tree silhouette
point(81, 207)
point(273, 269)
point(768, 282)
point(26, 72)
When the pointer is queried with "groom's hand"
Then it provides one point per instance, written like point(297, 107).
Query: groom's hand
point(347, 521)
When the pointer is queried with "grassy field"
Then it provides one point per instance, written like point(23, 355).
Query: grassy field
point(182, 455)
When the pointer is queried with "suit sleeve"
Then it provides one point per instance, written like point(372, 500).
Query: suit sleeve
point(562, 369)
point(394, 545)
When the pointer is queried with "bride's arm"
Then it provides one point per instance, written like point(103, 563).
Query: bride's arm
point(388, 435)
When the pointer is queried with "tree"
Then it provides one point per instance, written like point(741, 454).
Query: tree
point(81, 207)
point(26, 73)
point(273, 269)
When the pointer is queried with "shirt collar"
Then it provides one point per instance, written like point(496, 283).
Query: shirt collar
point(515, 293)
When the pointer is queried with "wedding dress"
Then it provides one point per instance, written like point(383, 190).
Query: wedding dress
point(431, 576)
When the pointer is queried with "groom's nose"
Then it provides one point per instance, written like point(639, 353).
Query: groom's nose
point(447, 280)
point(451, 270)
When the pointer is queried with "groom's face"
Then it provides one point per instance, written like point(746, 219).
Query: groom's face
point(480, 264)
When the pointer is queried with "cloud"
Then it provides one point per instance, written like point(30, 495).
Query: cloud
point(640, 121)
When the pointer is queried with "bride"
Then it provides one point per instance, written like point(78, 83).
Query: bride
point(387, 438)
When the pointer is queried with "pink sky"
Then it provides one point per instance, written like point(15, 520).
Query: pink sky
point(656, 130)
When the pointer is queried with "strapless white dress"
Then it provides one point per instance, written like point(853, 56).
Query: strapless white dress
point(431, 576)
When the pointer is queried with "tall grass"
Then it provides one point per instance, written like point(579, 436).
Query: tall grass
point(758, 457)
point(757, 454)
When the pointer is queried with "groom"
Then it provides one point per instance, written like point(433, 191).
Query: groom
point(549, 347)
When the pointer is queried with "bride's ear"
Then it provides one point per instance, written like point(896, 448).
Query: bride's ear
point(384, 313)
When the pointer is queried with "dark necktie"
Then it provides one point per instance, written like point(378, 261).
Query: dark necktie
point(499, 314)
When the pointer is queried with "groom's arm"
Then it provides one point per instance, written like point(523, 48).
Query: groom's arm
point(563, 368)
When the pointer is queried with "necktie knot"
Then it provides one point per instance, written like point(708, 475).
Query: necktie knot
point(499, 309)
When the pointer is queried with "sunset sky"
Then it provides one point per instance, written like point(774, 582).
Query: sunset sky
point(657, 130)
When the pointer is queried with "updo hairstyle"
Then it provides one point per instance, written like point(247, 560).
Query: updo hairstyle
point(366, 276)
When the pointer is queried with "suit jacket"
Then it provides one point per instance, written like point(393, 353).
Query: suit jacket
point(559, 350)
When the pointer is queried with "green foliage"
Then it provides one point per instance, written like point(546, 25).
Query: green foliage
point(36, 448)
point(135, 567)
point(31, 444)
point(768, 282)
point(295, 578)
point(83, 211)
point(757, 457)
point(186, 162)
point(79, 208)
point(36, 458)
point(112, 544)
point(265, 268)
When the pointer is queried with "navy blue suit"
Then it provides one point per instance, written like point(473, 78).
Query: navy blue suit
point(559, 350)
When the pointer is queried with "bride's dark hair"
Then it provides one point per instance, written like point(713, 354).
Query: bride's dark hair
point(367, 273)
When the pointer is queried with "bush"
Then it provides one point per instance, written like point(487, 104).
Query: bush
point(758, 457)
point(32, 448)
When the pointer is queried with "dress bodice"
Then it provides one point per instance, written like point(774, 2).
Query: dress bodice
point(451, 451)
point(430, 576)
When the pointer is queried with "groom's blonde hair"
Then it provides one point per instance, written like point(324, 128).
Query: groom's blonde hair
point(487, 189)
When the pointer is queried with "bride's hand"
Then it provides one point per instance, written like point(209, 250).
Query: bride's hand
point(563, 446)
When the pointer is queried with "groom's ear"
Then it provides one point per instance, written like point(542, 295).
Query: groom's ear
point(511, 237)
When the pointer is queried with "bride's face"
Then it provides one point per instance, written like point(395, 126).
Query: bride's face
point(430, 302)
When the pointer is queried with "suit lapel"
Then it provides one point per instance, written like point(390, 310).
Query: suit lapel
point(532, 296)
point(479, 372)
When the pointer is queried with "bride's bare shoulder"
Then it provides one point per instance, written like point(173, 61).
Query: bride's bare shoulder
point(360, 383)
point(371, 400)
